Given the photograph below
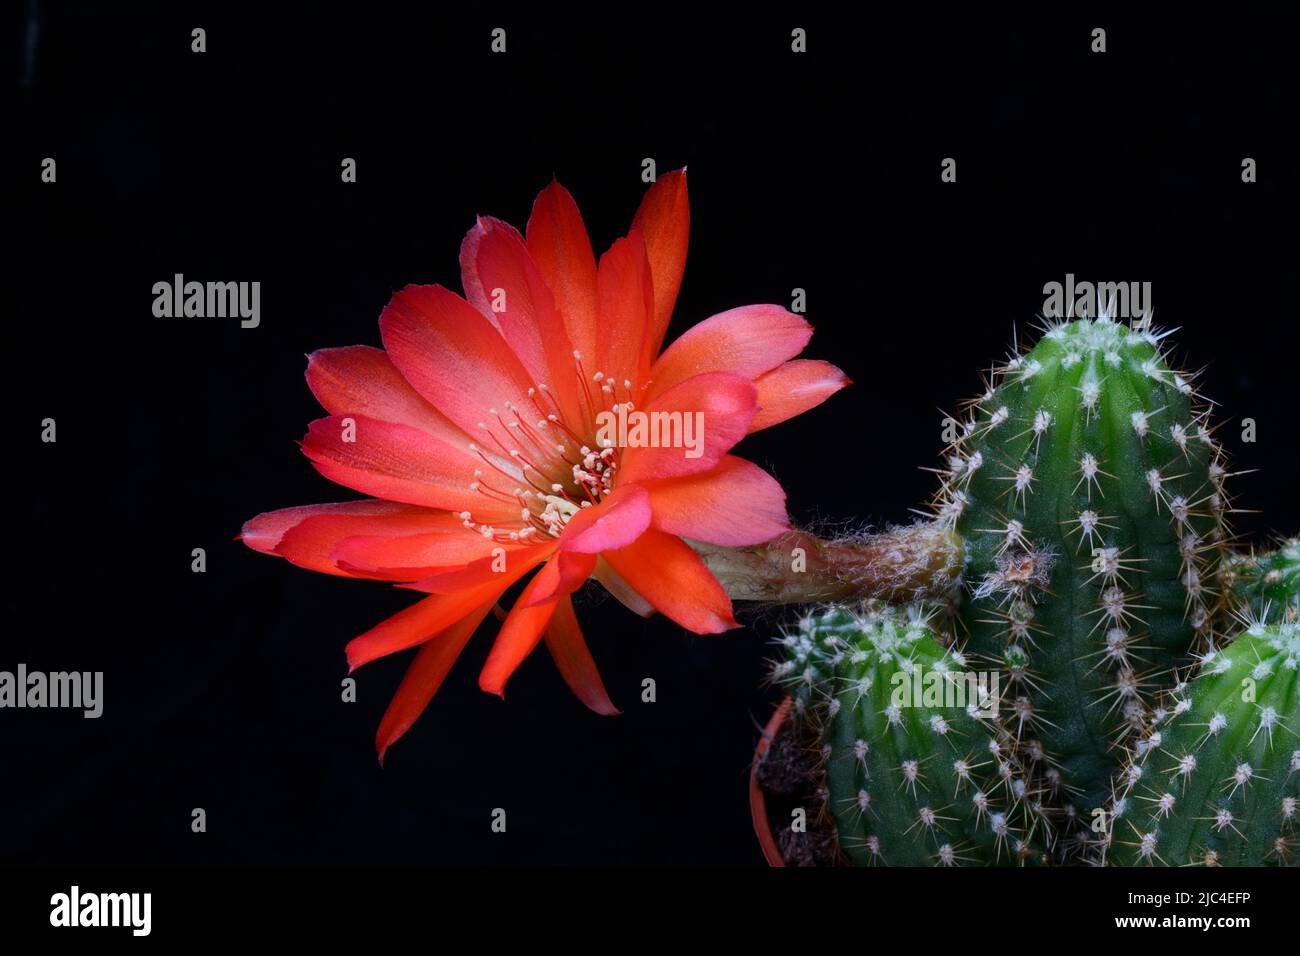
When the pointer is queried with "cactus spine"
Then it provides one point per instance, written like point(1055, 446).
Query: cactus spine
point(913, 773)
point(1217, 780)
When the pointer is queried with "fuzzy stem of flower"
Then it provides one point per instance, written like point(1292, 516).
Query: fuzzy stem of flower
point(901, 564)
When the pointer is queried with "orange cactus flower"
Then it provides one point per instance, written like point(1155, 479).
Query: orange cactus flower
point(535, 425)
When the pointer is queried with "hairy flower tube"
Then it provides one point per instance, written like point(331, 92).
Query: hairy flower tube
point(491, 434)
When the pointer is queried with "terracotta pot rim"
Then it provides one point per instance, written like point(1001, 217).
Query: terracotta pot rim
point(758, 799)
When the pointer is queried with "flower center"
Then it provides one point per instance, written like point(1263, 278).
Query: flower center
point(557, 470)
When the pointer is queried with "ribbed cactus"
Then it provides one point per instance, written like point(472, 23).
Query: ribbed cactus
point(913, 771)
point(1217, 779)
point(1088, 490)
point(1083, 556)
point(1268, 585)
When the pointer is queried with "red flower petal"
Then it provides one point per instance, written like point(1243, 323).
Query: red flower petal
point(749, 341)
point(521, 631)
point(510, 563)
point(626, 298)
point(667, 573)
point(423, 678)
point(264, 532)
point(559, 245)
point(502, 281)
point(361, 380)
point(411, 557)
point(620, 589)
point(574, 660)
point(313, 542)
point(614, 523)
point(664, 218)
point(399, 463)
point(735, 504)
point(419, 622)
point(562, 575)
point(453, 355)
point(479, 583)
point(727, 402)
point(793, 388)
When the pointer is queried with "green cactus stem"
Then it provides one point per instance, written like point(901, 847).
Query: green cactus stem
point(1088, 490)
point(1217, 780)
point(914, 772)
point(1268, 585)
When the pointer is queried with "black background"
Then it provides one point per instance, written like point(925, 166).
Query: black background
point(819, 171)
